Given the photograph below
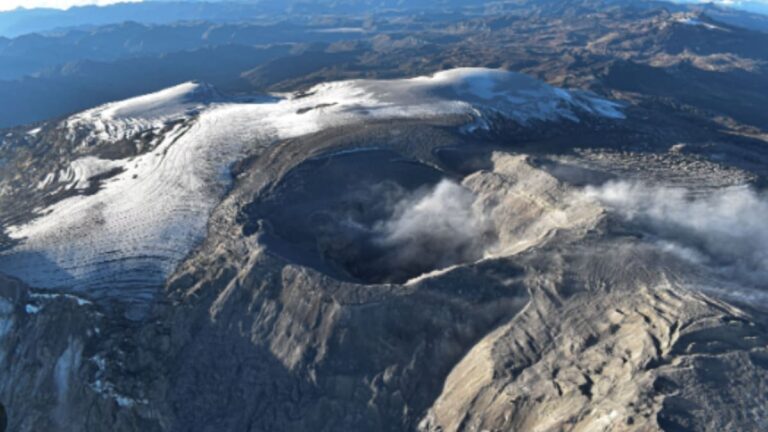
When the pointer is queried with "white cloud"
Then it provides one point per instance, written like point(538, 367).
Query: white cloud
point(6, 5)
point(725, 230)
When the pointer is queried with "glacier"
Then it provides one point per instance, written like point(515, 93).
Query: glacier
point(124, 240)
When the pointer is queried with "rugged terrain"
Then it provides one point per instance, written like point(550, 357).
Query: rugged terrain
point(568, 235)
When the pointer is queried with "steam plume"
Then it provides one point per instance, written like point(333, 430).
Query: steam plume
point(726, 230)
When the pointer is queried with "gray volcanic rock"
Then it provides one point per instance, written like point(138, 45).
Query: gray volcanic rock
point(629, 350)
point(469, 251)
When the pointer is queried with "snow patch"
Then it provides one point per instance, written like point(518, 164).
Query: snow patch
point(52, 296)
point(122, 120)
point(695, 21)
point(106, 389)
point(79, 173)
point(67, 363)
point(163, 104)
point(32, 309)
point(67, 366)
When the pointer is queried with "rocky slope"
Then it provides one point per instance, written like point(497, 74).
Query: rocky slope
point(469, 250)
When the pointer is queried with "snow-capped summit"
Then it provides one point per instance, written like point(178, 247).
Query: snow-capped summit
point(168, 103)
point(121, 120)
point(124, 240)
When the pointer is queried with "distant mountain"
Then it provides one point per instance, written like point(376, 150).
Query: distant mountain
point(283, 46)
point(82, 84)
point(752, 18)
point(23, 21)
point(33, 54)
point(757, 6)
